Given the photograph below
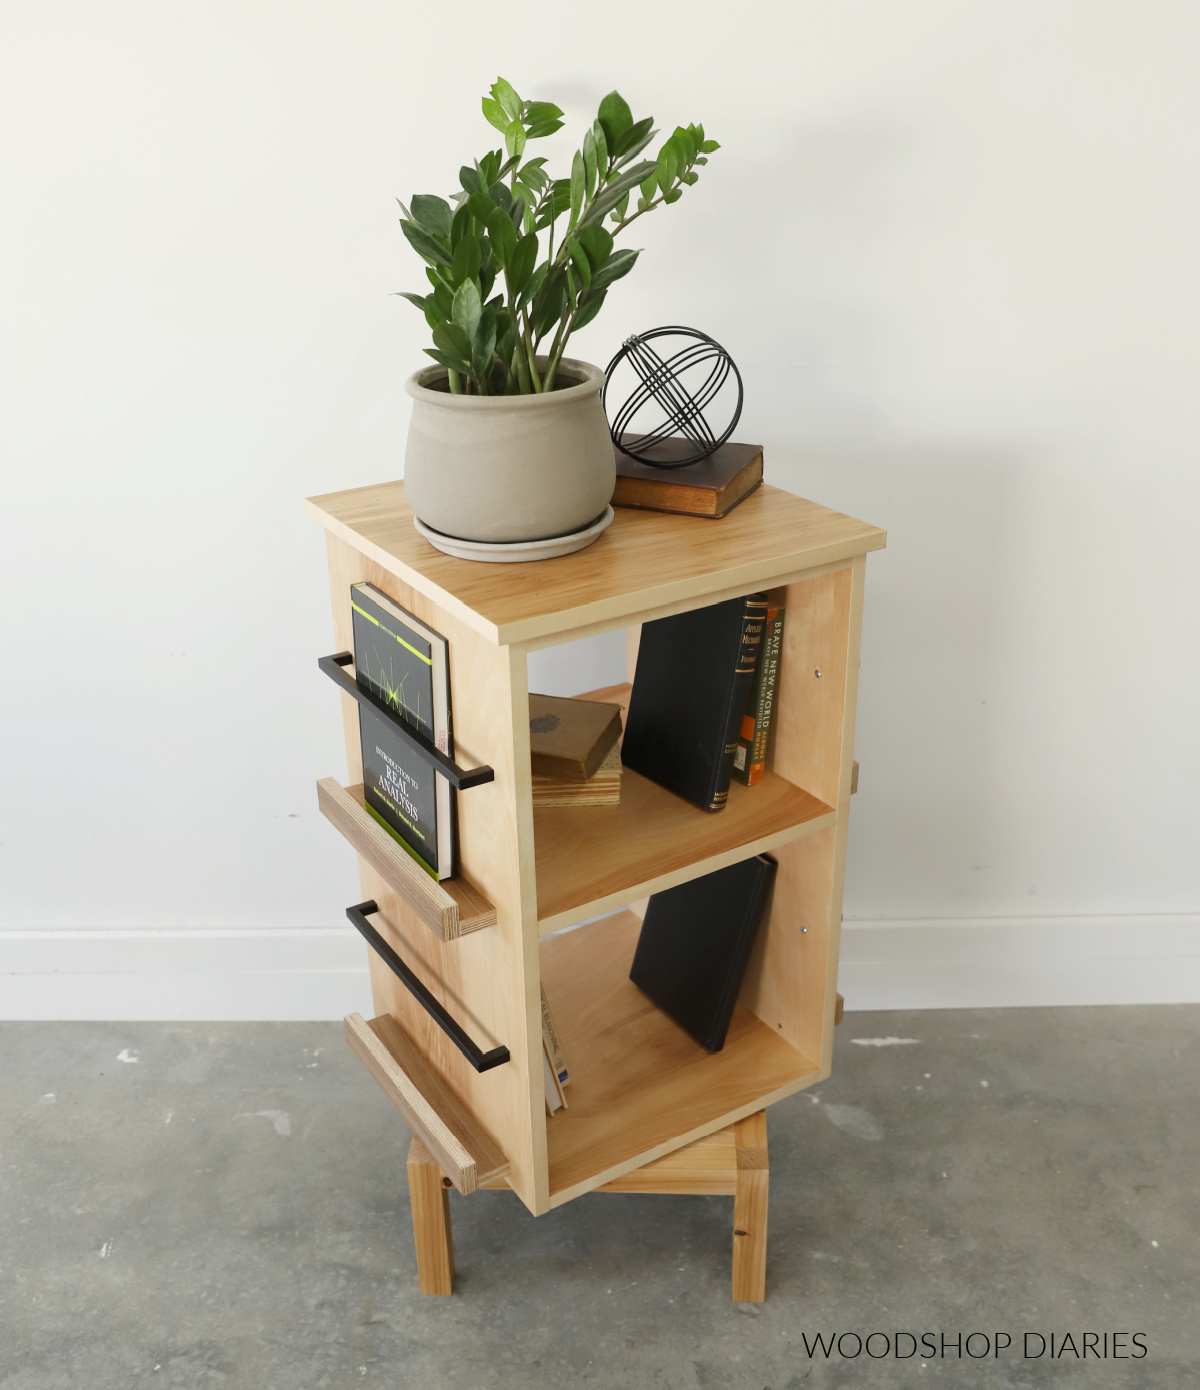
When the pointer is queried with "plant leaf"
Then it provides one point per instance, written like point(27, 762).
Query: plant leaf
point(432, 213)
point(614, 268)
point(443, 298)
point(504, 93)
point(533, 288)
point(514, 139)
point(668, 164)
point(495, 113)
point(467, 308)
point(499, 194)
point(417, 299)
point(601, 150)
point(425, 245)
point(481, 206)
point(636, 138)
point(597, 244)
point(468, 257)
point(502, 234)
point(450, 337)
point(578, 186)
point(448, 359)
point(618, 213)
point(483, 344)
point(616, 118)
point(579, 256)
point(708, 146)
point(590, 308)
point(541, 119)
point(519, 266)
point(590, 163)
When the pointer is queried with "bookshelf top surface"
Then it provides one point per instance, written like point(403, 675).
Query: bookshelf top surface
point(645, 561)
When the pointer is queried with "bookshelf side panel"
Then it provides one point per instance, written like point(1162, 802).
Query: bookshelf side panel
point(488, 980)
point(792, 981)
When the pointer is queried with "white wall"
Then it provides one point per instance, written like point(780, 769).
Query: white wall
point(955, 250)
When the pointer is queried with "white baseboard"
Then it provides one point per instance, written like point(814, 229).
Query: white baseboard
point(1019, 962)
point(321, 973)
point(210, 976)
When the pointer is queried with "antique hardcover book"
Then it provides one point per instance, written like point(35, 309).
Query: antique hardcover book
point(569, 739)
point(689, 694)
point(712, 487)
point(695, 945)
point(405, 664)
point(552, 1043)
point(750, 759)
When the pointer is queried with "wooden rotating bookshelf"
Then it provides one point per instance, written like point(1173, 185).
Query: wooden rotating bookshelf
point(642, 1091)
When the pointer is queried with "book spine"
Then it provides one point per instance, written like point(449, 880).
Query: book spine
point(754, 613)
point(750, 765)
point(553, 1045)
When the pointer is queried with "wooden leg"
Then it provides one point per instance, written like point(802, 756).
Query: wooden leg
point(750, 1210)
point(431, 1221)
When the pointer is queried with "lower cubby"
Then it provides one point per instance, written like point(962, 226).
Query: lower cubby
point(640, 1086)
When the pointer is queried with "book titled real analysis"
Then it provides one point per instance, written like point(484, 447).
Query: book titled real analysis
point(404, 663)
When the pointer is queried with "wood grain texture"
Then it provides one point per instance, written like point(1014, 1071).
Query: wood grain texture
point(450, 909)
point(707, 1168)
point(640, 1086)
point(750, 1210)
point(430, 1204)
point(488, 979)
point(791, 982)
point(465, 1150)
point(592, 858)
point(643, 561)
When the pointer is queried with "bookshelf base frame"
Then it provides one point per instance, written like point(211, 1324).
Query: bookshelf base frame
point(733, 1162)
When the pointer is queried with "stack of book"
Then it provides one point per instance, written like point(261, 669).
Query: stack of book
point(554, 1065)
point(574, 751)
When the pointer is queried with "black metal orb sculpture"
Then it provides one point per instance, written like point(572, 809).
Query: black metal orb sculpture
point(678, 374)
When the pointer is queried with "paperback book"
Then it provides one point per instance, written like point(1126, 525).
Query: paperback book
point(405, 664)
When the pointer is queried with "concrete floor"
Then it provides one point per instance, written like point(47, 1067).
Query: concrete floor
point(225, 1206)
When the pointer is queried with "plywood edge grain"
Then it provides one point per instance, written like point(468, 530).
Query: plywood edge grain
point(466, 1154)
point(450, 909)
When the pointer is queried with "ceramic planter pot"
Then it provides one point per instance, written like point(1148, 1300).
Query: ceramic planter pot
point(509, 468)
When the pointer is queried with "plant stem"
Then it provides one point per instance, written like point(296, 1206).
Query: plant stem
point(455, 382)
point(532, 358)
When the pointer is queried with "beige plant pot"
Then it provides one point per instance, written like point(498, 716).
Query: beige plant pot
point(509, 468)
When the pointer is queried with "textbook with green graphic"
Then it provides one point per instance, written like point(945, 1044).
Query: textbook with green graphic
point(404, 663)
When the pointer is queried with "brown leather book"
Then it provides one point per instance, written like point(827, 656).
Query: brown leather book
point(569, 739)
point(712, 487)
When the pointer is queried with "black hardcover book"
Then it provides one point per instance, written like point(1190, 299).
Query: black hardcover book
point(690, 689)
point(695, 945)
point(406, 664)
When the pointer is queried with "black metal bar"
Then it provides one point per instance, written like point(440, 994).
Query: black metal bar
point(480, 1060)
point(459, 777)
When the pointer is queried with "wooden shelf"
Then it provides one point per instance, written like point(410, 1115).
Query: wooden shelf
point(449, 909)
point(591, 858)
point(640, 1086)
point(466, 1152)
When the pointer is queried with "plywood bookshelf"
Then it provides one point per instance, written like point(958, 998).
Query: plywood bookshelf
point(641, 1089)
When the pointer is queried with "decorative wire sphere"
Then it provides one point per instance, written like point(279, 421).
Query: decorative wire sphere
point(678, 383)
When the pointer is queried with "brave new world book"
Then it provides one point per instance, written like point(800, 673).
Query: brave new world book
point(404, 663)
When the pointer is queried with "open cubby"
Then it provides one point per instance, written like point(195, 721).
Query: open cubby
point(641, 1088)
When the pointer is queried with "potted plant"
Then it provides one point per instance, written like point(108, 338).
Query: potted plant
point(508, 440)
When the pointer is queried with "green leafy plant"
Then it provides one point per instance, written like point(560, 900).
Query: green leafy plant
point(497, 302)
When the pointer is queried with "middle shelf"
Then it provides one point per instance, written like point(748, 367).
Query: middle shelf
point(593, 858)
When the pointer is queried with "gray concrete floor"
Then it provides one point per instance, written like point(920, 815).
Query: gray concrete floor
point(225, 1206)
